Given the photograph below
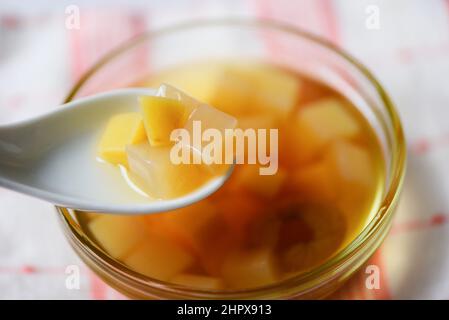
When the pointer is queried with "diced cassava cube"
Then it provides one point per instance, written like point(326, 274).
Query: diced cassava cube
point(354, 173)
point(121, 130)
point(184, 225)
point(351, 163)
point(277, 90)
point(158, 257)
point(249, 269)
point(161, 116)
point(315, 126)
point(239, 88)
point(329, 119)
point(118, 235)
point(200, 85)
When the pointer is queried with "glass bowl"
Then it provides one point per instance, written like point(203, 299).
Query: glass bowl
point(281, 45)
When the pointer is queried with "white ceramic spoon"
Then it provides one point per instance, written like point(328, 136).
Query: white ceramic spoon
point(53, 157)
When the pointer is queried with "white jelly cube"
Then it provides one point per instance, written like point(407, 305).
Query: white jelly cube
point(204, 118)
point(154, 171)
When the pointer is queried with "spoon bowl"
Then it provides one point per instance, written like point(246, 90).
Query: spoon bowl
point(53, 157)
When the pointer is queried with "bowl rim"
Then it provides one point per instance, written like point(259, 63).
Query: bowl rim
point(379, 218)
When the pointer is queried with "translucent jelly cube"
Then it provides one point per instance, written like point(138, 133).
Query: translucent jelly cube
point(171, 92)
point(232, 92)
point(249, 269)
point(158, 257)
point(197, 281)
point(241, 87)
point(354, 173)
point(155, 173)
point(203, 118)
point(351, 163)
point(277, 90)
point(121, 130)
point(200, 85)
point(328, 119)
point(316, 125)
point(118, 235)
point(210, 118)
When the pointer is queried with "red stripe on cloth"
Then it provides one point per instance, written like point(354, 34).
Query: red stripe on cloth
point(99, 33)
point(98, 288)
point(330, 19)
point(435, 220)
point(317, 16)
point(425, 145)
point(446, 4)
point(27, 269)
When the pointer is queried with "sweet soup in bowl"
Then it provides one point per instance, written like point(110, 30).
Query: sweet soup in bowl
point(257, 229)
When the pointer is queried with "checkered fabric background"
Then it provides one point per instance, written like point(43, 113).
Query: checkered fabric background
point(408, 50)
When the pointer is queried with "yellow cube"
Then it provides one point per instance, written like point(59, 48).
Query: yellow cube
point(328, 119)
point(351, 164)
point(118, 235)
point(250, 269)
point(200, 85)
point(240, 87)
point(121, 130)
point(184, 225)
point(277, 90)
point(159, 258)
point(160, 117)
point(316, 125)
